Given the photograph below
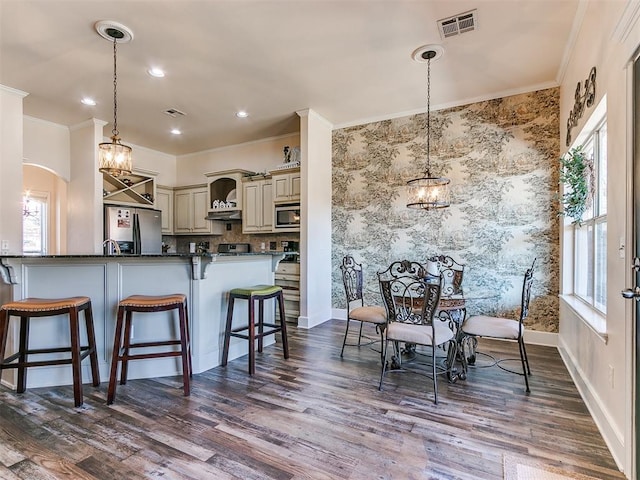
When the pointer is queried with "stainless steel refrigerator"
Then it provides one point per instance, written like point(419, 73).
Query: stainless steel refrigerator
point(136, 230)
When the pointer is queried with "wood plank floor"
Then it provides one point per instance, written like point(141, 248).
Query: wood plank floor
point(314, 416)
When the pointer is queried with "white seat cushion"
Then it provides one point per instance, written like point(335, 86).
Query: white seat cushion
point(495, 327)
point(374, 314)
point(420, 334)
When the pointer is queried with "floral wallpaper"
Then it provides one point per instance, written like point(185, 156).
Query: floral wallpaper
point(502, 158)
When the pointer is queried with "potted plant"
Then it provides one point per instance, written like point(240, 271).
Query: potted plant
point(576, 173)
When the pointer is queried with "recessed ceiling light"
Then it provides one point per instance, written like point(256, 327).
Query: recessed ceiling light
point(242, 114)
point(175, 131)
point(156, 72)
point(88, 101)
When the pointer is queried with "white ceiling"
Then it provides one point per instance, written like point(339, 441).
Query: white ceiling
point(349, 60)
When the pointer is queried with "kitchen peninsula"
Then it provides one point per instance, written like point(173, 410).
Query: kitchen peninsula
point(204, 278)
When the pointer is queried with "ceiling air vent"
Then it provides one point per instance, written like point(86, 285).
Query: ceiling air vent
point(461, 23)
point(174, 112)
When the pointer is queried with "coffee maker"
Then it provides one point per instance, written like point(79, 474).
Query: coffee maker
point(291, 246)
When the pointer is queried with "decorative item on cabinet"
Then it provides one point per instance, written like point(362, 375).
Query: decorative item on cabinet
point(135, 189)
point(224, 194)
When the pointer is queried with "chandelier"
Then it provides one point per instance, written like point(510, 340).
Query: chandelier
point(29, 208)
point(429, 191)
point(114, 157)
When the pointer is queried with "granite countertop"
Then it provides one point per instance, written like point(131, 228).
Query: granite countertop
point(152, 255)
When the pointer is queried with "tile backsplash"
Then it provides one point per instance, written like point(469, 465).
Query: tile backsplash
point(272, 241)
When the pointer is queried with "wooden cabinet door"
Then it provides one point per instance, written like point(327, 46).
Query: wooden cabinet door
point(280, 188)
point(199, 201)
point(294, 184)
point(267, 206)
point(251, 207)
point(183, 211)
point(164, 203)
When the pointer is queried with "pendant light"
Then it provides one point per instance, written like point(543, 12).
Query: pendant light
point(114, 156)
point(428, 192)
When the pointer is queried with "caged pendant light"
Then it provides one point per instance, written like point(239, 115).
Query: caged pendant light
point(114, 157)
point(428, 192)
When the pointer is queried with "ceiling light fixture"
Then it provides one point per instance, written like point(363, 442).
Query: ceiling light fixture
point(156, 72)
point(114, 157)
point(242, 114)
point(428, 192)
point(176, 131)
point(89, 101)
point(29, 208)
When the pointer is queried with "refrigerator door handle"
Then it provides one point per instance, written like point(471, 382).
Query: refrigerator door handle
point(136, 234)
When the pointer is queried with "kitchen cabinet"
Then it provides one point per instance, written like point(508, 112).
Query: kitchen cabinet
point(190, 210)
point(257, 211)
point(224, 193)
point(286, 186)
point(136, 189)
point(164, 203)
point(287, 276)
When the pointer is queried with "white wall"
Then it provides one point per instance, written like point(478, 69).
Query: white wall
point(47, 145)
point(256, 156)
point(608, 37)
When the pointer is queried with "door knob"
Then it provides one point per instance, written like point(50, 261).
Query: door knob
point(631, 293)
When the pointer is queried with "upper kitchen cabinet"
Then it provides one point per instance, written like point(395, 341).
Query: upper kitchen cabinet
point(136, 189)
point(190, 210)
point(286, 185)
point(224, 194)
point(164, 203)
point(257, 212)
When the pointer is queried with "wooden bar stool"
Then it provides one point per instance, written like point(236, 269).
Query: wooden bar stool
point(43, 307)
point(122, 344)
point(259, 293)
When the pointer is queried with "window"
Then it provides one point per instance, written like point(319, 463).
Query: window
point(34, 224)
point(590, 238)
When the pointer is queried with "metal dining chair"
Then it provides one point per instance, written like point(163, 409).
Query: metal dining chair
point(352, 278)
point(411, 303)
point(502, 328)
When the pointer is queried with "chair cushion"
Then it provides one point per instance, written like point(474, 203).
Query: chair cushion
point(420, 334)
point(374, 314)
point(494, 327)
point(45, 304)
point(256, 290)
point(147, 301)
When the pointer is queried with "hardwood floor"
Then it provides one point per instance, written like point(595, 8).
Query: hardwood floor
point(314, 416)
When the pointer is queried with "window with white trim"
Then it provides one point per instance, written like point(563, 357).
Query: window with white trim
point(590, 237)
point(34, 224)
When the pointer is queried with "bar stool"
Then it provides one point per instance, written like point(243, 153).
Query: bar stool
point(122, 346)
point(43, 307)
point(259, 293)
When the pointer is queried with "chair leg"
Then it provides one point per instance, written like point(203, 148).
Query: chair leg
point(74, 328)
point(283, 326)
point(252, 337)
point(24, 346)
point(186, 320)
point(4, 334)
point(93, 351)
point(344, 342)
point(524, 370)
point(227, 331)
point(526, 359)
point(382, 346)
point(260, 324)
point(435, 374)
point(126, 345)
point(184, 346)
point(360, 335)
point(384, 364)
point(115, 357)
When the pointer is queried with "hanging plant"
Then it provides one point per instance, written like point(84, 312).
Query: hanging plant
point(576, 172)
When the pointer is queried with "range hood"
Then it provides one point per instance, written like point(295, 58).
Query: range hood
point(224, 214)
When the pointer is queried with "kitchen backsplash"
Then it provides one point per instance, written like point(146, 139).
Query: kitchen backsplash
point(180, 243)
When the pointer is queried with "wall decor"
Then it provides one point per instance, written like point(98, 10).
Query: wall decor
point(582, 98)
point(576, 172)
point(502, 158)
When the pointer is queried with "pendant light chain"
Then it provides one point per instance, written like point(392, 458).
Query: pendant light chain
point(428, 117)
point(115, 91)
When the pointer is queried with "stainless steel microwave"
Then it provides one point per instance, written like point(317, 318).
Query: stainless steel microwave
point(287, 216)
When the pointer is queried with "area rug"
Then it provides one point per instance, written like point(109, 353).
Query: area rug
point(518, 468)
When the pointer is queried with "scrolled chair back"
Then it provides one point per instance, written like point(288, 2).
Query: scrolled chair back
point(352, 279)
point(526, 291)
point(450, 271)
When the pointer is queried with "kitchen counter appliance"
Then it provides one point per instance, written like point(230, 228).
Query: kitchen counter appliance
point(234, 248)
point(135, 230)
